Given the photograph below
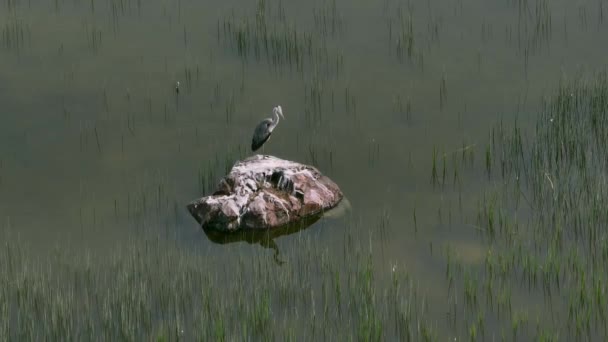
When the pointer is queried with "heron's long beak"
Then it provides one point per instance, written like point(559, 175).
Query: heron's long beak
point(279, 110)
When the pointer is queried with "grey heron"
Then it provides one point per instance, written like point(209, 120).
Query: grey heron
point(264, 129)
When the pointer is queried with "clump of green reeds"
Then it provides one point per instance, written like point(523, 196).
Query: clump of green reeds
point(157, 289)
point(269, 37)
point(328, 20)
point(534, 25)
point(402, 34)
point(15, 33)
point(544, 223)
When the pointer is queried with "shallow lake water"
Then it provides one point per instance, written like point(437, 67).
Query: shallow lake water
point(97, 148)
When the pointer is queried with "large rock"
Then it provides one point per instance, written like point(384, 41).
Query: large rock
point(263, 192)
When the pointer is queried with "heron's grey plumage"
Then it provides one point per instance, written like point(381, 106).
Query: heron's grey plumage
point(264, 129)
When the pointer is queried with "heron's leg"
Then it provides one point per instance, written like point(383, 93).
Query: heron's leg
point(276, 258)
point(268, 242)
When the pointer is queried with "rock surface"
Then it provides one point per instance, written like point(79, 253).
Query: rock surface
point(263, 192)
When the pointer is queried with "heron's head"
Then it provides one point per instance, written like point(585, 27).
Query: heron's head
point(278, 110)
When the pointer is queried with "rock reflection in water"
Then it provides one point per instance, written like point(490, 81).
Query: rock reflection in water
point(265, 238)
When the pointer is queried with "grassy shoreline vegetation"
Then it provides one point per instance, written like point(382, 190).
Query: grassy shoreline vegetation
point(506, 240)
point(542, 277)
point(141, 293)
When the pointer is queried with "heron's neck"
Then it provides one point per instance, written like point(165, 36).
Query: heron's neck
point(275, 120)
